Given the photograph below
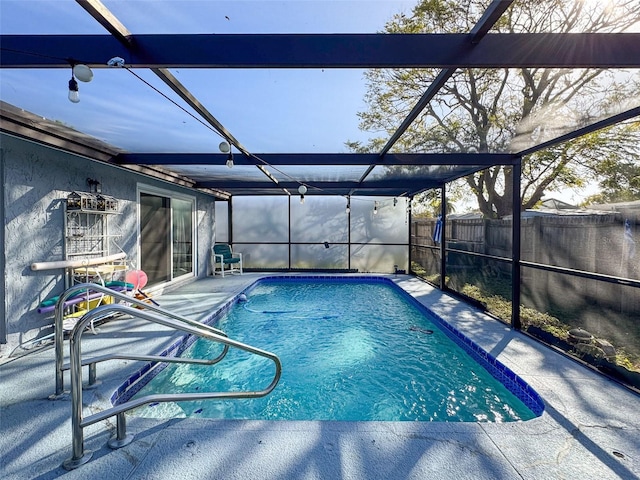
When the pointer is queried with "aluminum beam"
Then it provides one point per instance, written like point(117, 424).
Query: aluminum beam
point(319, 187)
point(607, 122)
point(490, 17)
point(109, 21)
point(513, 50)
point(320, 159)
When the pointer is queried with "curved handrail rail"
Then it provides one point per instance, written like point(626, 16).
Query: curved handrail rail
point(59, 317)
point(78, 423)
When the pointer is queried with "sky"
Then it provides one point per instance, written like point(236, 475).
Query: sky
point(267, 110)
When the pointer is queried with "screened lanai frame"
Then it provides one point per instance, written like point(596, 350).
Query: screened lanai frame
point(281, 173)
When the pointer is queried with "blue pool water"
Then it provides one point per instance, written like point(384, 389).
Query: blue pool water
point(361, 351)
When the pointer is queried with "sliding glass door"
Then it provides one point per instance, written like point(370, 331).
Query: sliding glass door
point(182, 238)
point(166, 235)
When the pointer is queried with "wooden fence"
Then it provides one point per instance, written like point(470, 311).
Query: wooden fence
point(591, 243)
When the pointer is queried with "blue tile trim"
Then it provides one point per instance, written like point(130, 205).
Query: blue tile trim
point(515, 384)
point(498, 370)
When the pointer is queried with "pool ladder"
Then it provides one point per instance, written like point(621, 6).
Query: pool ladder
point(59, 330)
point(151, 314)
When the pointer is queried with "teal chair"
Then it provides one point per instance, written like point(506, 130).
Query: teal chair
point(222, 255)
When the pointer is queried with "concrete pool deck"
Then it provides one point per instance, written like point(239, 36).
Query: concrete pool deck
point(590, 428)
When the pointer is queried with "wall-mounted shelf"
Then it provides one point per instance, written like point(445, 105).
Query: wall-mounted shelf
point(86, 235)
point(88, 202)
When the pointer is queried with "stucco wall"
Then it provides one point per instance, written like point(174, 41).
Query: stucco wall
point(37, 180)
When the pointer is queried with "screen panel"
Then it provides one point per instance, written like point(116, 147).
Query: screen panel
point(379, 220)
point(260, 219)
point(555, 304)
point(378, 258)
point(319, 219)
point(319, 256)
point(262, 255)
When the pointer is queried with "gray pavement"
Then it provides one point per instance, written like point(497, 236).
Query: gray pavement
point(590, 428)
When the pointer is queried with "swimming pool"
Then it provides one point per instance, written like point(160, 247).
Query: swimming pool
point(352, 349)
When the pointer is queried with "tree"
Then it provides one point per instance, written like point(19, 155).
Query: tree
point(619, 171)
point(509, 110)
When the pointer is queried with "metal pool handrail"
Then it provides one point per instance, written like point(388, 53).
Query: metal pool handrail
point(59, 333)
point(78, 423)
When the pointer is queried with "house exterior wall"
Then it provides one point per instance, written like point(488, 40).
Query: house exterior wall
point(36, 182)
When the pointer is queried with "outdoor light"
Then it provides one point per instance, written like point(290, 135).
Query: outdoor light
point(82, 72)
point(395, 202)
point(74, 96)
point(302, 190)
point(224, 147)
point(94, 185)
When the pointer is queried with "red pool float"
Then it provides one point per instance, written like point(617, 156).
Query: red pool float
point(137, 278)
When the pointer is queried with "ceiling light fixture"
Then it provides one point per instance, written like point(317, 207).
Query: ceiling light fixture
point(82, 72)
point(74, 95)
point(302, 189)
point(264, 170)
point(225, 147)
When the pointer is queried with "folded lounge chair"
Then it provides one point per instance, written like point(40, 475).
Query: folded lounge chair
point(221, 254)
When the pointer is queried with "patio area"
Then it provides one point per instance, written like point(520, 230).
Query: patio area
point(590, 427)
point(408, 139)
